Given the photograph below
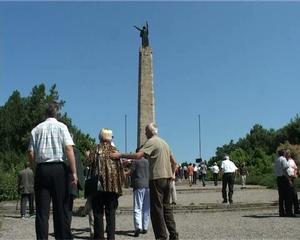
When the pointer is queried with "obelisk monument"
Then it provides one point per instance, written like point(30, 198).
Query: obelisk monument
point(146, 112)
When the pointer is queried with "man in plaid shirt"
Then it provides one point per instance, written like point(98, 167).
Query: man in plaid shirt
point(50, 146)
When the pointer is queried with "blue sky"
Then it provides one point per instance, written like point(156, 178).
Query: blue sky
point(234, 63)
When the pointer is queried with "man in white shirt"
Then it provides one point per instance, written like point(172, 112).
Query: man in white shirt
point(50, 145)
point(292, 173)
point(228, 168)
point(283, 185)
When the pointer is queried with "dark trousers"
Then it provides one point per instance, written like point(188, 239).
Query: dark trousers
point(285, 193)
point(227, 179)
point(109, 202)
point(203, 179)
point(215, 177)
point(70, 208)
point(51, 183)
point(194, 177)
point(161, 211)
point(295, 197)
point(24, 198)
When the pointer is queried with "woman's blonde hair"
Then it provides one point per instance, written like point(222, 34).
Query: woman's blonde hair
point(106, 134)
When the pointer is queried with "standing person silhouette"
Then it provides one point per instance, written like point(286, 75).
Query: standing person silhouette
point(50, 146)
point(141, 195)
point(228, 169)
point(162, 166)
point(144, 32)
point(25, 188)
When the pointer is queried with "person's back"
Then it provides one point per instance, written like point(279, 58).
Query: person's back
point(203, 168)
point(158, 153)
point(140, 173)
point(26, 181)
point(48, 141)
point(141, 197)
point(215, 169)
point(162, 165)
point(50, 147)
point(280, 165)
point(26, 189)
point(190, 170)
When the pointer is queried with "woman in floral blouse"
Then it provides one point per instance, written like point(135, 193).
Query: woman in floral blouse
point(111, 178)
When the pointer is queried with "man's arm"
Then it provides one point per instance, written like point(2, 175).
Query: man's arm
point(117, 155)
point(31, 159)
point(72, 162)
point(173, 165)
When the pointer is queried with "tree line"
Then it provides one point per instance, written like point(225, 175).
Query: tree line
point(18, 116)
point(258, 149)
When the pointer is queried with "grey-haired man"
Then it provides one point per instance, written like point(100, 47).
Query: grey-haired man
point(162, 166)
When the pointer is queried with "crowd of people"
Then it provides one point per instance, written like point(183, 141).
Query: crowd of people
point(58, 178)
point(55, 173)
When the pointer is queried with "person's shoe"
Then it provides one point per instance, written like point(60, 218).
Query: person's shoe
point(230, 202)
point(144, 231)
point(291, 215)
point(23, 216)
point(137, 232)
point(173, 203)
point(282, 214)
point(174, 236)
point(224, 201)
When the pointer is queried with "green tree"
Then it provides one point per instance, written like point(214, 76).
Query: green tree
point(17, 117)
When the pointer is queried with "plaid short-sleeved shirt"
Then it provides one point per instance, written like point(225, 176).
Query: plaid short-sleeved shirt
point(48, 140)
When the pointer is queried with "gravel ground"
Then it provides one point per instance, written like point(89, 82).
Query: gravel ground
point(262, 224)
point(221, 224)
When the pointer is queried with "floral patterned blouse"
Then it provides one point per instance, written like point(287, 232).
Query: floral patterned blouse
point(111, 170)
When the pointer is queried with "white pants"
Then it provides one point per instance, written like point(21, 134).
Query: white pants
point(141, 208)
point(244, 180)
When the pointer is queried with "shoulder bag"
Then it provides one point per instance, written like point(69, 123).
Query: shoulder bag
point(93, 183)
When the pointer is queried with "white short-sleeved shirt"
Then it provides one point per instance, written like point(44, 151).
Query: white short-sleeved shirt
point(215, 169)
point(292, 169)
point(48, 140)
point(280, 166)
point(228, 166)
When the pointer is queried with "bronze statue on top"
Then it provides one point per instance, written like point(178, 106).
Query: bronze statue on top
point(144, 35)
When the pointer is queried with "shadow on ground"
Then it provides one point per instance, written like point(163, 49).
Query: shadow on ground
point(261, 216)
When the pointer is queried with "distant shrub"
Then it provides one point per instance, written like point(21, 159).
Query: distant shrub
point(268, 180)
point(8, 184)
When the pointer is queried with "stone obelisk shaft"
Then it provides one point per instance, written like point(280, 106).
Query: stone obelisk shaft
point(145, 94)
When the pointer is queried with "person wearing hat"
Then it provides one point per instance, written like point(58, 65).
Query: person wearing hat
point(228, 169)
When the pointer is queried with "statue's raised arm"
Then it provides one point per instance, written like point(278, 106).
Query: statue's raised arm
point(138, 28)
point(144, 35)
